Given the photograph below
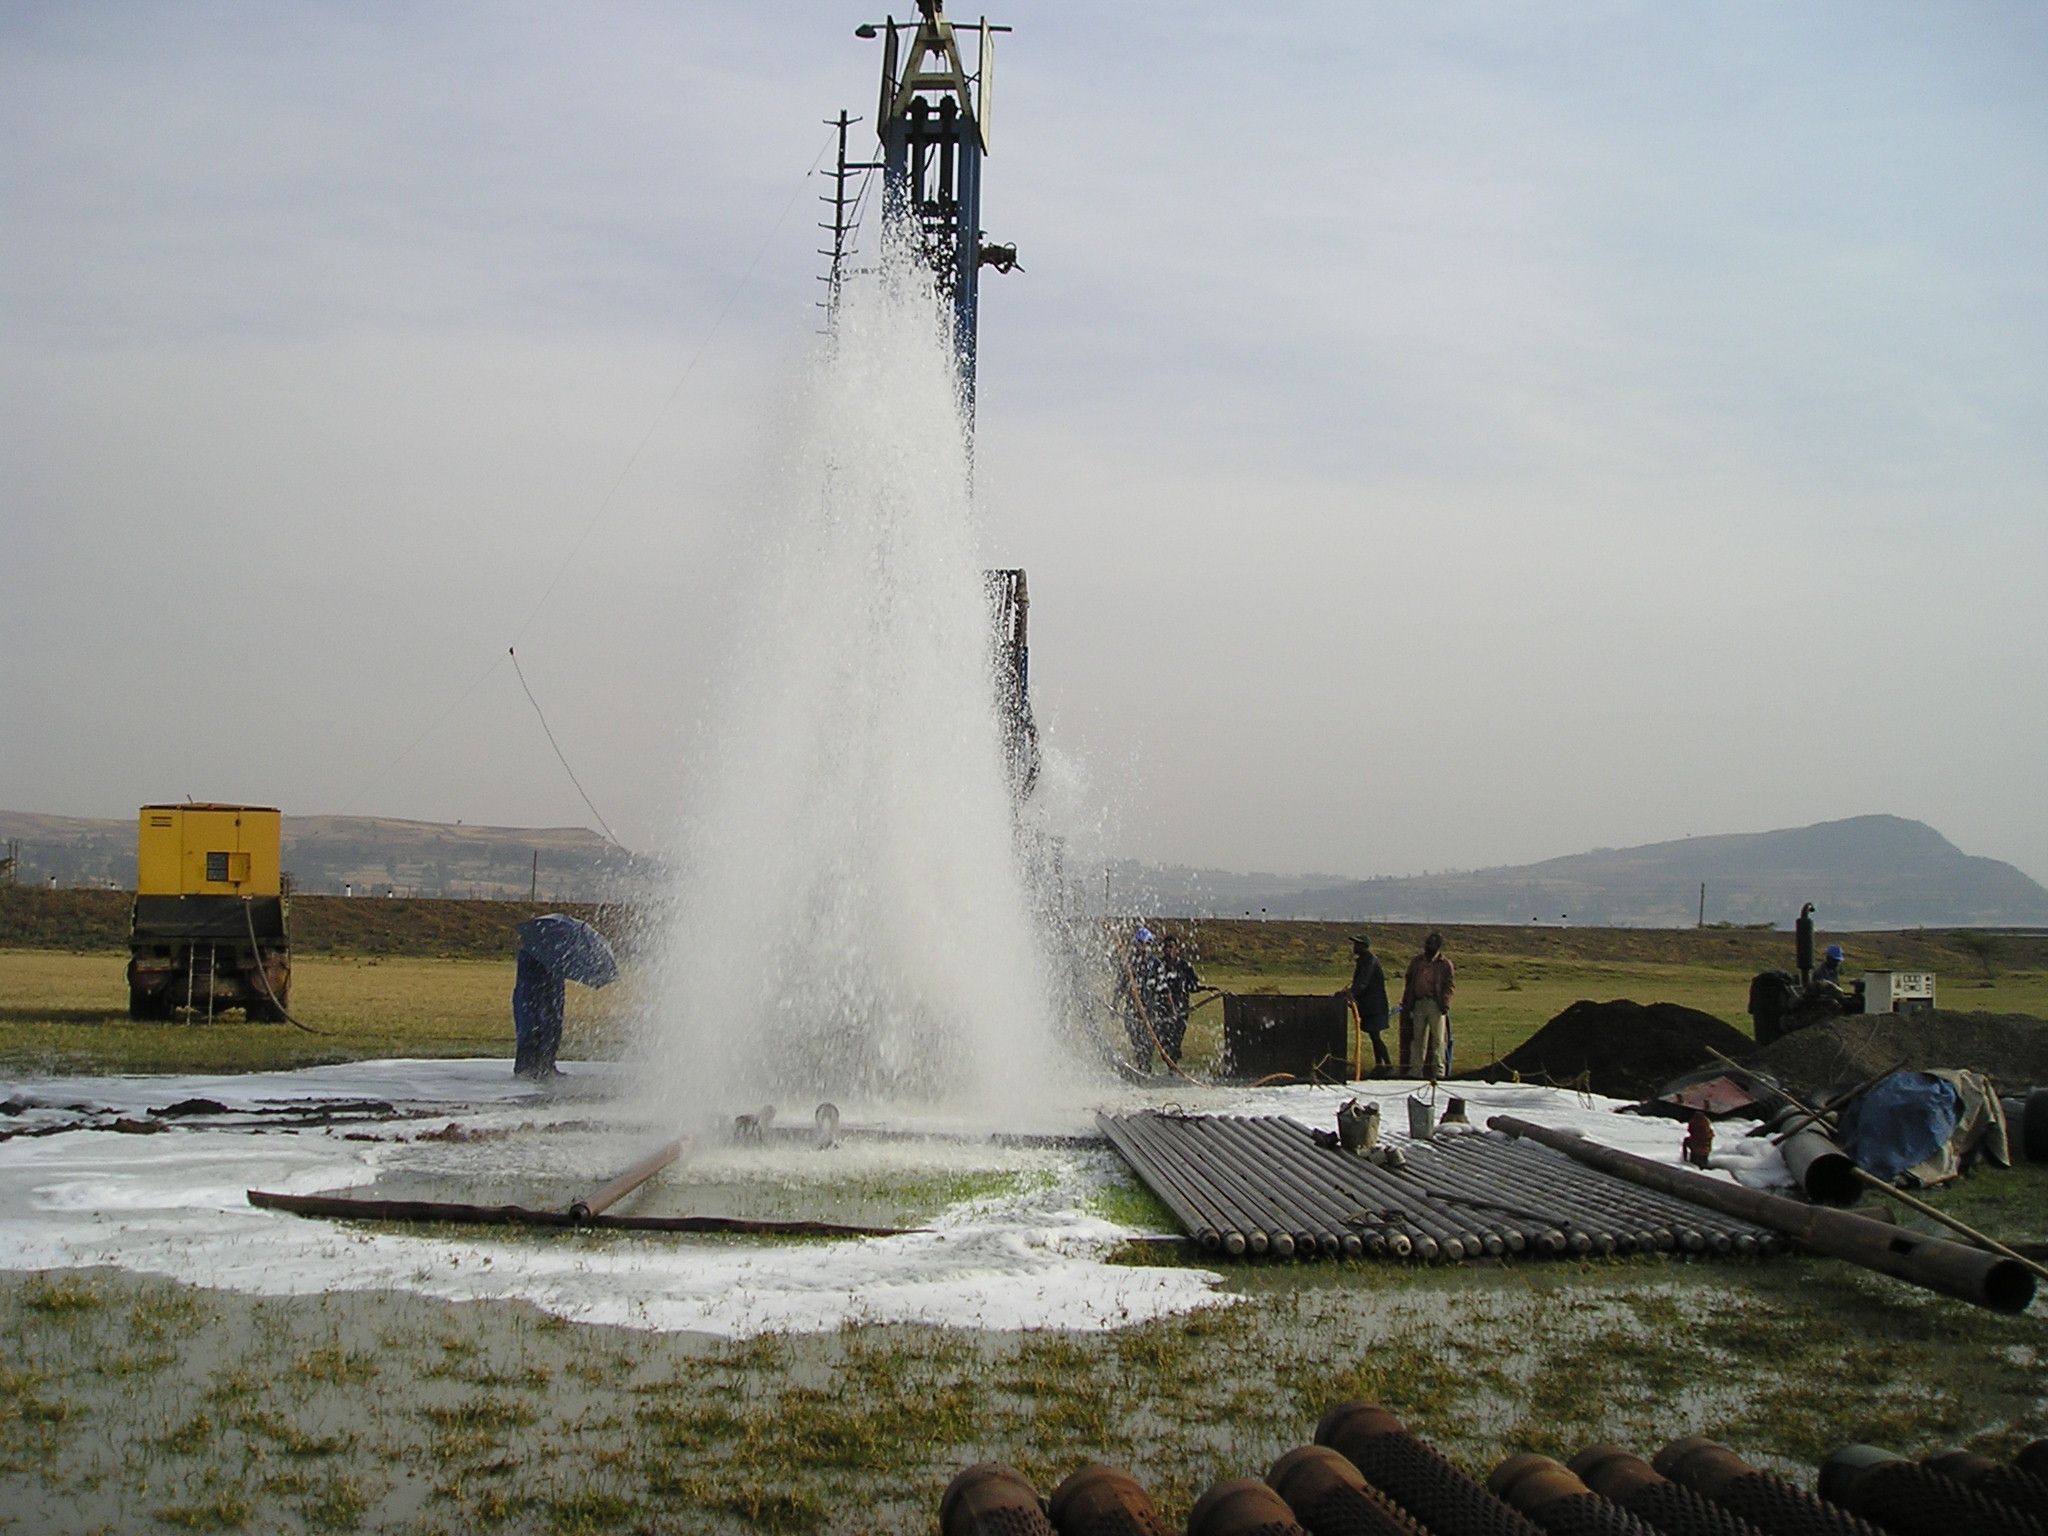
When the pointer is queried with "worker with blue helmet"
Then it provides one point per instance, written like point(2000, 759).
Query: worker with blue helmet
point(1829, 971)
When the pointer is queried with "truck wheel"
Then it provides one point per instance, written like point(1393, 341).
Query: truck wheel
point(144, 1005)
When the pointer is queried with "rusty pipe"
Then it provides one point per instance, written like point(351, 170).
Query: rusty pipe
point(992, 1500)
point(1968, 1274)
point(1331, 1497)
point(1242, 1506)
point(1416, 1475)
point(1103, 1501)
point(1669, 1507)
point(1551, 1494)
point(1764, 1499)
point(604, 1199)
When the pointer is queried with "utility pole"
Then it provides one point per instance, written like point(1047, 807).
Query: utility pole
point(533, 889)
point(845, 216)
point(1703, 903)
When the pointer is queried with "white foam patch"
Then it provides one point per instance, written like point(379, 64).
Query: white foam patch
point(175, 1204)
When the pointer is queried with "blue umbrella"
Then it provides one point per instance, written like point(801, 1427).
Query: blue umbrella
point(571, 950)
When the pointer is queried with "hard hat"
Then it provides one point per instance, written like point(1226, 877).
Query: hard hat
point(1144, 935)
point(1832, 952)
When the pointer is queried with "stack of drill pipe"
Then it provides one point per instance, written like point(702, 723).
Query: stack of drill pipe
point(1994, 1479)
point(1217, 1219)
point(1349, 1227)
point(1609, 1204)
point(1102, 1501)
point(1670, 1508)
point(1551, 1494)
point(1242, 1506)
point(1908, 1499)
point(1416, 1476)
point(1984, 1279)
point(992, 1500)
point(1766, 1500)
point(1283, 1145)
point(1268, 1227)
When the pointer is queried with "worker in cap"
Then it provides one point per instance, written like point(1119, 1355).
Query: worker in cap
point(1426, 1011)
point(1829, 972)
point(1368, 994)
point(1141, 996)
point(1178, 984)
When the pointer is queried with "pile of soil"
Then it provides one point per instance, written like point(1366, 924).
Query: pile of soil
point(2009, 1048)
point(1623, 1049)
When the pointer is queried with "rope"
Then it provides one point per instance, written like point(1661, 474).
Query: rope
point(558, 747)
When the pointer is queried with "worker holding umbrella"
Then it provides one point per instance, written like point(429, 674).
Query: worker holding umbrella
point(553, 949)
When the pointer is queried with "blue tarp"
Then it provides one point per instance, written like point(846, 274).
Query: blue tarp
point(1900, 1124)
point(569, 949)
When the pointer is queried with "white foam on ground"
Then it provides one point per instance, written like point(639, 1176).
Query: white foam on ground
point(175, 1204)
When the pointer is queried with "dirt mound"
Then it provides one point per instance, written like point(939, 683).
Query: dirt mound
point(2010, 1048)
point(1624, 1049)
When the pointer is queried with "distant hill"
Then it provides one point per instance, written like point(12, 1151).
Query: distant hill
point(1862, 872)
point(370, 855)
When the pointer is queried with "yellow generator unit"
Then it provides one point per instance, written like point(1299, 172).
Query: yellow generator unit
point(209, 930)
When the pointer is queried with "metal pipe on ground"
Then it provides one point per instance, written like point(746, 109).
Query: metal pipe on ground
point(1242, 1506)
point(1166, 1171)
point(1331, 1222)
point(1820, 1167)
point(1586, 1230)
point(1639, 1488)
point(1331, 1497)
point(992, 1500)
point(1262, 1223)
point(1910, 1500)
point(1217, 1137)
point(1103, 1501)
point(1265, 1224)
point(1669, 1223)
point(1551, 1494)
point(1430, 1234)
point(1764, 1499)
point(1343, 1221)
point(1202, 1223)
point(1415, 1475)
point(1968, 1274)
point(611, 1194)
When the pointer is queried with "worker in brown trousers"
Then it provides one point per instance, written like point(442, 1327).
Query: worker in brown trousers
point(1426, 1011)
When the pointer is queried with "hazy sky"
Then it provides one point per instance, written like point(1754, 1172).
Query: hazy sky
point(1438, 434)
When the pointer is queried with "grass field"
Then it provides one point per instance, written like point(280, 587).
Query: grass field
point(132, 1404)
point(67, 1012)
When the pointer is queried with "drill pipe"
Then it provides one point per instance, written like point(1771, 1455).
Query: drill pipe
point(1335, 1228)
point(1823, 1170)
point(1242, 1506)
point(1340, 1177)
point(1581, 1226)
point(1669, 1507)
point(1414, 1188)
point(1552, 1495)
point(1385, 1190)
point(604, 1199)
point(1176, 1182)
point(1663, 1222)
point(1764, 1499)
point(992, 1500)
point(1252, 1193)
point(1264, 1226)
point(1332, 1498)
point(1204, 1223)
point(1202, 1133)
point(1546, 1232)
point(1219, 1134)
point(1416, 1475)
point(1346, 1221)
point(1909, 1500)
point(1969, 1274)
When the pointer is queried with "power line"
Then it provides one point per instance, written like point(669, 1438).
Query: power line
point(520, 672)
